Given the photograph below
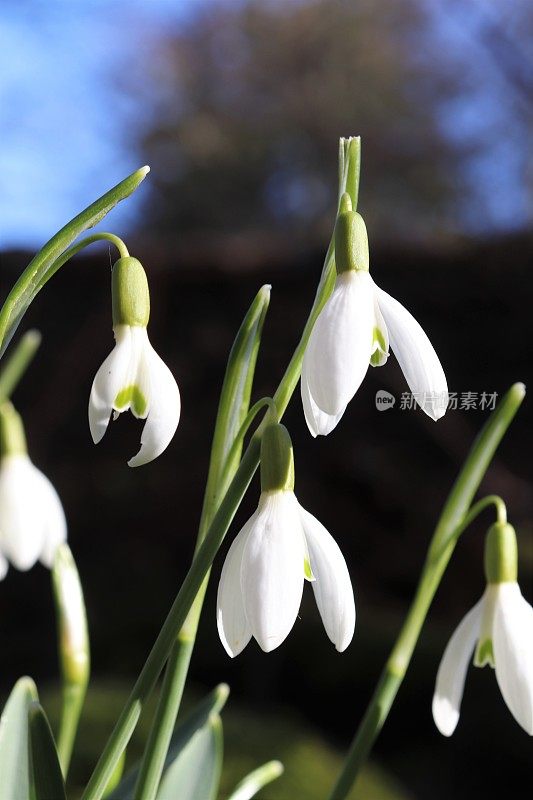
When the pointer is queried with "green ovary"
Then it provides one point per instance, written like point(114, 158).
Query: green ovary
point(484, 654)
point(132, 397)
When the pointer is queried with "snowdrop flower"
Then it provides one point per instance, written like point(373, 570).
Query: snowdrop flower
point(133, 376)
point(500, 630)
point(32, 520)
point(355, 329)
point(282, 544)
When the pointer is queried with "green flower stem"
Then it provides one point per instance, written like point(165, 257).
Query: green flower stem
point(73, 697)
point(67, 255)
point(453, 517)
point(41, 267)
point(17, 363)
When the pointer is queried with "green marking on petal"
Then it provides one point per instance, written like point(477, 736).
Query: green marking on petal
point(484, 654)
point(308, 572)
point(379, 349)
point(131, 397)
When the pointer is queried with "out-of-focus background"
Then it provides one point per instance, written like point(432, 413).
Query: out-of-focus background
point(237, 106)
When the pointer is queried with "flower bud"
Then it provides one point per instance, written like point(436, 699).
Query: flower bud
point(130, 294)
point(277, 460)
point(501, 555)
point(351, 240)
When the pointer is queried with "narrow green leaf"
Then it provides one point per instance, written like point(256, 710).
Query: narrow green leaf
point(183, 733)
point(257, 780)
point(195, 773)
point(47, 779)
point(36, 273)
point(14, 764)
point(18, 362)
point(234, 401)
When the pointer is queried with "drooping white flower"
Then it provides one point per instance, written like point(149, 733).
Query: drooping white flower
point(133, 376)
point(500, 630)
point(354, 330)
point(280, 546)
point(32, 520)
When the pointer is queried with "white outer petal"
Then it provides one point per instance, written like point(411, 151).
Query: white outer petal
point(21, 521)
point(272, 573)
point(451, 676)
point(53, 519)
point(512, 642)
point(233, 627)
point(163, 394)
point(339, 348)
point(318, 422)
point(4, 566)
point(416, 356)
point(332, 585)
point(109, 380)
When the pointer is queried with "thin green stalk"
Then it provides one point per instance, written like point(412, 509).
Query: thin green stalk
point(454, 514)
point(17, 363)
point(67, 255)
point(73, 697)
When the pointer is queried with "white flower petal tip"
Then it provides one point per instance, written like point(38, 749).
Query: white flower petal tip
point(318, 422)
point(232, 624)
point(133, 377)
point(451, 675)
point(28, 530)
point(513, 653)
point(332, 586)
point(416, 356)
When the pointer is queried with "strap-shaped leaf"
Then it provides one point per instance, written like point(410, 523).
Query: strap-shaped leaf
point(14, 763)
point(40, 268)
point(256, 780)
point(46, 778)
point(183, 733)
point(195, 773)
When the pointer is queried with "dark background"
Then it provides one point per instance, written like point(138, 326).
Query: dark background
point(242, 106)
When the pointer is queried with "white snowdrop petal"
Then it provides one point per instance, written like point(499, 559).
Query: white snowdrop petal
point(318, 422)
point(340, 344)
point(4, 566)
point(272, 574)
point(233, 627)
point(416, 356)
point(21, 521)
point(109, 380)
point(332, 585)
point(164, 409)
point(513, 653)
point(53, 518)
point(452, 671)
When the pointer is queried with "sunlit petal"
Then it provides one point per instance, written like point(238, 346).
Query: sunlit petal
point(21, 521)
point(339, 348)
point(318, 422)
point(233, 627)
point(513, 653)
point(157, 381)
point(332, 585)
point(110, 379)
point(452, 671)
point(272, 574)
point(416, 356)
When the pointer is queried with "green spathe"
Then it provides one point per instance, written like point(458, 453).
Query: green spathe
point(129, 289)
point(277, 460)
point(12, 436)
point(501, 554)
point(351, 240)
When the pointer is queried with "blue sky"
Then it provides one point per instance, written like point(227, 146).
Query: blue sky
point(63, 121)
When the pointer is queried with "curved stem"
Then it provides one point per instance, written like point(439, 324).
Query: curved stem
point(95, 237)
point(453, 517)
